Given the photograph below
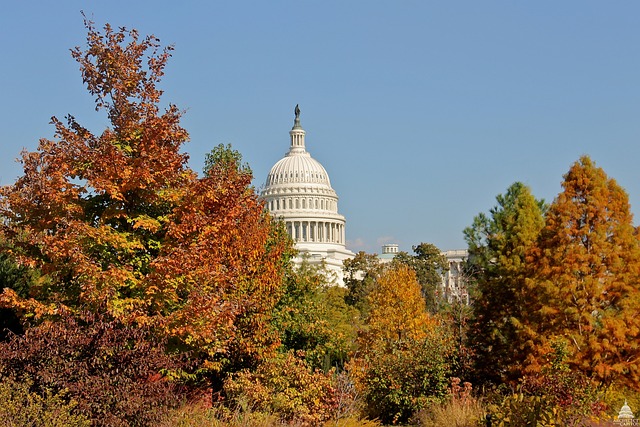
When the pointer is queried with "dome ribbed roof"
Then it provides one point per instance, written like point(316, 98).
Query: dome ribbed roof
point(298, 168)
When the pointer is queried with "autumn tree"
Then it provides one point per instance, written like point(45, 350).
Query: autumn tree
point(117, 223)
point(429, 264)
point(498, 246)
point(585, 288)
point(404, 356)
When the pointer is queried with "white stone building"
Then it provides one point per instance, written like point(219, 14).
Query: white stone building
point(299, 192)
point(454, 282)
point(389, 251)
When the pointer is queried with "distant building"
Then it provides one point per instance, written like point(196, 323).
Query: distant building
point(454, 285)
point(388, 252)
point(298, 191)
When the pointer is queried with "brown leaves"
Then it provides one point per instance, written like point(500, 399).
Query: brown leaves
point(586, 283)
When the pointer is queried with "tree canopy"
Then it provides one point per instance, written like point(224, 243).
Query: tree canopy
point(584, 290)
point(117, 223)
point(498, 246)
point(429, 265)
point(404, 355)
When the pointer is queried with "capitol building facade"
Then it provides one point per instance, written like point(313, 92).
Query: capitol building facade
point(298, 191)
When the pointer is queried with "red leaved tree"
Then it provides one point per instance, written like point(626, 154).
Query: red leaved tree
point(118, 224)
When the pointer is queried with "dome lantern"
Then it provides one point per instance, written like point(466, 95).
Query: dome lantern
point(297, 135)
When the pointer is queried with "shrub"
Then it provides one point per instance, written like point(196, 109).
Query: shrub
point(400, 381)
point(285, 386)
point(112, 370)
point(461, 409)
point(197, 415)
point(21, 407)
point(404, 355)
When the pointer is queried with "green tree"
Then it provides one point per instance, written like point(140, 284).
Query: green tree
point(313, 318)
point(498, 246)
point(429, 264)
point(223, 156)
point(404, 355)
point(585, 291)
point(360, 275)
point(18, 278)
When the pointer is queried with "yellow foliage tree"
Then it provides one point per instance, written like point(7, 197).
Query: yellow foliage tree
point(404, 355)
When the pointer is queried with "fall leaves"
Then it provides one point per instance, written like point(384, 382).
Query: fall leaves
point(118, 223)
point(114, 239)
point(587, 276)
point(573, 279)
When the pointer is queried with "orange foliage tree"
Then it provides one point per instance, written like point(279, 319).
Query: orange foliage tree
point(118, 224)
point(585, 285)
point(404, 355)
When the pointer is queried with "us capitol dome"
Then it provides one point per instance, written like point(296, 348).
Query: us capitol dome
point(298, 191)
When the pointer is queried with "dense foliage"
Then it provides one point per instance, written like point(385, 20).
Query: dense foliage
point(117, 223)
point(314, 320)
point(117, 226)
point(497, 265)
point(287, 386)
point(110, 369)
point(134, 292)
point(429, 264)
point(585, 286)
point(404, 356)
point(23, 407)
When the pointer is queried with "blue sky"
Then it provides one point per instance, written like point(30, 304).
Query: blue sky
point(421, 111)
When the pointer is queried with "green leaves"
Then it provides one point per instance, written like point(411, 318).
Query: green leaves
point(498, 247)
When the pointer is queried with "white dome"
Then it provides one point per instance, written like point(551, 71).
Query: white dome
point(625, 412)
point(298, 168)
point(298, 191)
point(298, 184)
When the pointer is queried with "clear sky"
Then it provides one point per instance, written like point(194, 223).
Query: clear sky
point(421, 111)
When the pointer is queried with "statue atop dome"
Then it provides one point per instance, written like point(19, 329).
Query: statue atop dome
point(296, 122)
